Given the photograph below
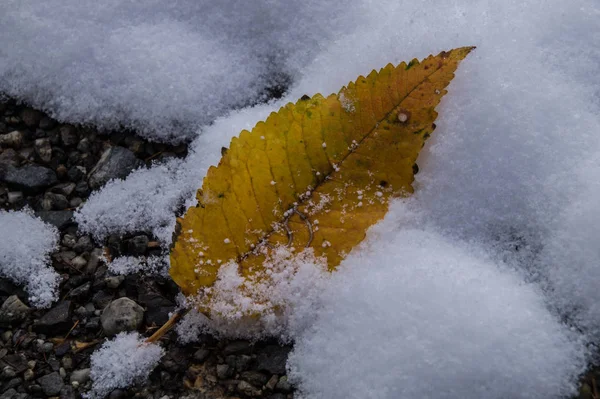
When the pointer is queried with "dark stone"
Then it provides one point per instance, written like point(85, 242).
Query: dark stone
point(82, 189)
point(101, 299)
point(84, 244)
point(80, 291)
point(255, 378)
point(31, 178)
point(137, 245)
point(47, 123)
point(17, 361)
point(76, 173)
point(57, 320)
point(68, 135)
point(201, 355)
point(51, 383)
point(31, 117)
point(60, 219)
point(63, 348)
point(67, 392)
point(237, 347)
point(57, 202)
point(65, 189)
point(10, 157)
point(239, 362)
point(273, 358)
point(115, 163)
point(176, 360)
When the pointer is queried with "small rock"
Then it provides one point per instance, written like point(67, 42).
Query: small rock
point(93, 261)
point(255, 378)
point(61, 171)
point(60, 219)
point(102, 299)
point(80, 376)
point(223, 371)
point(248, 390)
point(239, 363)
point(115, 163)
point(28, 375)
point(43, 149)
point(31, 117)
point(13, 310)
point(9, 394)
point(47, 123)
point(137, 245)
point(65, 189)
point(283, 385)
point(273, 359)
point(69, 240)
point(15, 197)
point(84, 145)
point(68, 135)
point(28, 177)
point(56, 320)
point(272, 382)
point(122, 314)
point(76, 173)
point(82, 189)
point(82, 290)
point(10, 157)
point(47, 347)
point(236, 347)
point(114, 282)
point(75, 202)
point(7, 373)
point(57, 202)
point(79, 262)
point(201, 354)
point(51, 383)
point(84, 244)
point(13, 139)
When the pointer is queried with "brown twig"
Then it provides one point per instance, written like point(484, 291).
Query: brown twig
point(158, 334)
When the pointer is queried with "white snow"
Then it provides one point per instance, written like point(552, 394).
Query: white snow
point(414, 314)
point(121, 362)
point(162, 68)
point(25, 246)
point(463, 298)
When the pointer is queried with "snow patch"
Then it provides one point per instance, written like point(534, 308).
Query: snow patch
point(121, 362)
point(25, 246)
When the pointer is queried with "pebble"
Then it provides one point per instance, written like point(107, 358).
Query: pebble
point(15, 197)
point(68, 135)
point(43, 149)
point(248, 390)
point(115, 163)
point(51, 383)
point(84, 244)
point(56, 321)
point(137, 245)
point(80, 376)
point(113, 282)
point(13, 310)
point(59, 219)
point(29, 177)
point(273, 359)
point(56, 202)
point(13, 139)
point(122, 314)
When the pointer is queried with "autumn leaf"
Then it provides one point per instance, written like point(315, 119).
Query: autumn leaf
point(316, 174)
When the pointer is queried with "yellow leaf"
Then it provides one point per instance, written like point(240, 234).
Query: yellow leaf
point(315, 174)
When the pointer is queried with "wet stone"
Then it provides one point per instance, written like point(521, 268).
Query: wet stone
point(56, 202)
point(28, 177)
point(55, 321)
point(51, 383)
point(43, 149)
point(115, 163)
point(68, 135)
point(60, 219)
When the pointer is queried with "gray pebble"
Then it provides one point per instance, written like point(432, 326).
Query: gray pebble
point(122, 314)
point(51, 383)
point(80, 376)
point(43, 149)
point(115, 163)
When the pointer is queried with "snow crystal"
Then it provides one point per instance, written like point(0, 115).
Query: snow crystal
point(416, 315)
point(162, 68)
point(121, 362)
point(25, 246)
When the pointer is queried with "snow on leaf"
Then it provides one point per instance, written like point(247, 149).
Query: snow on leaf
point(371, 149)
